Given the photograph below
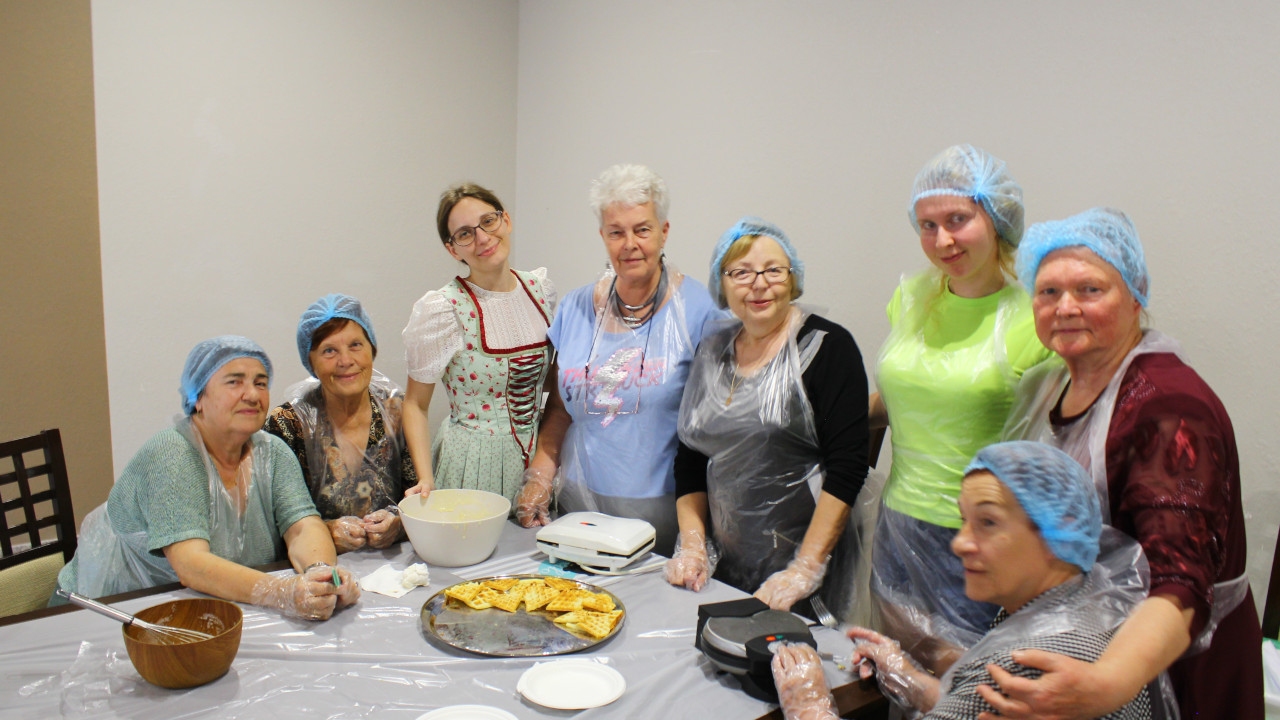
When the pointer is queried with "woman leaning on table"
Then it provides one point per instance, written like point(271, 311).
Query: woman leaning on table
point(624, 345)
point(1162, 454)
point(343, 424)
point(773, 431)
point(962, 334)
point(483, 339)
point(206, 500)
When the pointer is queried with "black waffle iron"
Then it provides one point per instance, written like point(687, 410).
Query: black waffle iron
point(736, 636)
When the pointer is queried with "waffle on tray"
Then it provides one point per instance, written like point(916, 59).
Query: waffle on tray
point(575, 609)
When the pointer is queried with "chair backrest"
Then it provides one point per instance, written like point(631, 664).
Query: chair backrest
point(35, 499)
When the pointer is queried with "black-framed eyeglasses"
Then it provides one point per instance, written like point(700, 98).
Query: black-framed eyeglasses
point(464, 236)
point(773, 275)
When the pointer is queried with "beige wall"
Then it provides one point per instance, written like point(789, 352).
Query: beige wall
point(51, 336)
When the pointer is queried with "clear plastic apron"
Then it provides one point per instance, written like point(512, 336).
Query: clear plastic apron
point(1086, 441)
point(379, 465)
point(764, 471)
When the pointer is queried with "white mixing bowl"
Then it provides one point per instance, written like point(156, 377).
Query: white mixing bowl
point(453, 528)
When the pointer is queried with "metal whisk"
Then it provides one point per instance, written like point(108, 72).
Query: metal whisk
point(182, 635)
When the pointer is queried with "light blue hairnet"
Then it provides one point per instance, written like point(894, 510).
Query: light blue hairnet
point(968, 171)
point(207, 357)
point(751, 226)
point(333, 305)
point(1106, 231)
point(1056, 493)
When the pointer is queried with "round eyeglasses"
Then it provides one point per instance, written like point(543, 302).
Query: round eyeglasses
point(773, 275)
point(466, 235)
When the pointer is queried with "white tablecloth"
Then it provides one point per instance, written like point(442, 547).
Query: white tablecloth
point(369, 661)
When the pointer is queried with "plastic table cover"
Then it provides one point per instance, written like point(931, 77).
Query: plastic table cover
point(371, 660)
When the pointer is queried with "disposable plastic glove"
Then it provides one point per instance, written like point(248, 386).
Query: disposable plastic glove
point(349, 587)
point(382, 527)
point(533, 504)
point(693, 562)
point(309, 595)
point(797, 580)
point(899, 676)
point(802, 686)
point(347, 532)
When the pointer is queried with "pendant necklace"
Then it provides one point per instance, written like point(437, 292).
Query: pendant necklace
point(732, 385)
point(627, 312)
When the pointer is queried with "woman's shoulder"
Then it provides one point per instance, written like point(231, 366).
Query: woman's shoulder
point(1164, 378)
point(836, 334)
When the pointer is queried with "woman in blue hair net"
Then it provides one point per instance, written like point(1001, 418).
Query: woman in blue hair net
point(343, 423)
point(1162, 455)
point(482, 339)
point(1029, 542)
point(210, 498)
point(962, 335)
point(773, 431)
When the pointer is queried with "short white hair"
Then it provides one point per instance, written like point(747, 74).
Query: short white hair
point(629, 185)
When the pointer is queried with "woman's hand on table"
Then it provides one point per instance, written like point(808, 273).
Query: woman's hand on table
point(348, 589)
point(799, 579)
point(802, 686)
point(348, 533)
point(310, 595)
point(693, 562)
point(533, 504)
point(381, 528)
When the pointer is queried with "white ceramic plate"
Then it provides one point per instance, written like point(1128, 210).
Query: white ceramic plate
point(571, 684)
point(468, 712)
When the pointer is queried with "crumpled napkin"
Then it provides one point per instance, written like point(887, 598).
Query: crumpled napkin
point(387, 580)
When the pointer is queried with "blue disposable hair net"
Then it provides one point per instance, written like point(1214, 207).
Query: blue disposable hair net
point(207, 357)
point(333, 305)
point(1106, 231)
point(968, 171)
point(1054, 490)
point(751, 226)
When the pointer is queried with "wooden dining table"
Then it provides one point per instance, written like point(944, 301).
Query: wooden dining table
point(377, 659)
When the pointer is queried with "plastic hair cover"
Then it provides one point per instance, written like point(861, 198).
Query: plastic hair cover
point(1055, 492)
point(936, 429)
point(338, 490)
point(619, 420)
point(333, 305)
point(764, 470)
point(751, 226)
point(1085, 440)
point(1107, 232)
point(967, 171)
point(110, 563)
point(207, 357)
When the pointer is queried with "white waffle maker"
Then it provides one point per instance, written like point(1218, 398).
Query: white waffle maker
point(596, 541)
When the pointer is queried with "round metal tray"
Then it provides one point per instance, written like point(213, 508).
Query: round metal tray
point(499, 633)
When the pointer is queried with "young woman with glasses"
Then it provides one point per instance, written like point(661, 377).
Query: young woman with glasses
point(773, 430)
point(484, 338)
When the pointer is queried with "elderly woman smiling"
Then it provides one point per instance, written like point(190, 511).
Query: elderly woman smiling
point(204, 501)
point(774, 431)
point(1029, 539)
point(343, 424)
point(1162, 454)
point(624, 347)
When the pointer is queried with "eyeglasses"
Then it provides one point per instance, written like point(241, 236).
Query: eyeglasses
point(773, 275)
point(464, 236)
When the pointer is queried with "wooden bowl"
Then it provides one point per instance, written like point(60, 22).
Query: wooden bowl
point(172, 664)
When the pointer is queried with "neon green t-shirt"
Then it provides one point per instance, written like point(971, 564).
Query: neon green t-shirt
point(946, 375)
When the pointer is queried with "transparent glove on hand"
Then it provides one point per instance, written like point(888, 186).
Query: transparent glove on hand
point(309, 595)
point(382, 527)
point(900, 678)
point(533, 504)
point(802, 686)
point(797, 580)
point(348, 588)
point(347, 533)
point(693, 562)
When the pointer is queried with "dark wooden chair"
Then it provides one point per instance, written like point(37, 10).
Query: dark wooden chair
point(35, 500)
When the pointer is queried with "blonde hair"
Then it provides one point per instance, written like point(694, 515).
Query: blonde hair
point(741, 247)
